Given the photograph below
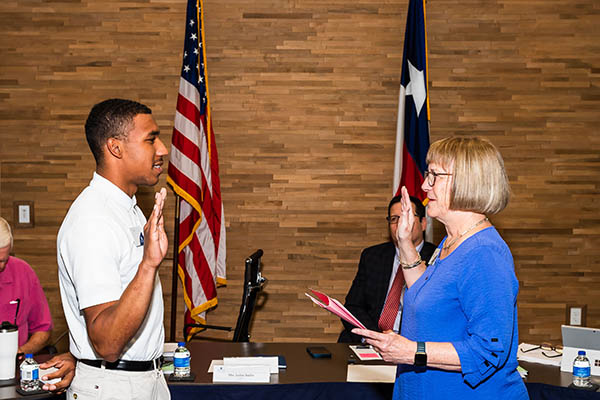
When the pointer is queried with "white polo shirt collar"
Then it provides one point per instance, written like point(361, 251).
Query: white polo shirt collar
point(113, 191)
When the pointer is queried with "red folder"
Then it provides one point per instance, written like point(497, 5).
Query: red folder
point(334, 306)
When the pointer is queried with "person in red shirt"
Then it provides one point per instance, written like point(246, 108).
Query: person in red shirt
point(20, 287)
point(19, 281)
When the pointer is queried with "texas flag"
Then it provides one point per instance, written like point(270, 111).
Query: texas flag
point(412, 130)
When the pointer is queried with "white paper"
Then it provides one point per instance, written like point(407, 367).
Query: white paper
point(536, 355)
point(271, 362)
point(211, 367)
point(241, 373)
point(169, 349)
point(49, 371)
point(371, 373)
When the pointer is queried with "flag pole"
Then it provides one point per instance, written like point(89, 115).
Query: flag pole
point(174, 274)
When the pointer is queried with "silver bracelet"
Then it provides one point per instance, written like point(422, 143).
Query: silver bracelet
point(413, 265)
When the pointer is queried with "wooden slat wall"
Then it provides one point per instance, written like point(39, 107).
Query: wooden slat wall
point(304, 97)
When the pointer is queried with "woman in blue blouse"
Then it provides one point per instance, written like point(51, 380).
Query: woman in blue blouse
point(458, 337)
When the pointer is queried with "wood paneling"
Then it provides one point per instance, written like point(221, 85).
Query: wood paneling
point(304, 98)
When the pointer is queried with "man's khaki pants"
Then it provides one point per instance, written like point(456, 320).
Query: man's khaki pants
point(104, 384)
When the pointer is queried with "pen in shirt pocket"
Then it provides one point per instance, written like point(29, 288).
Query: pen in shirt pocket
point(18, 303)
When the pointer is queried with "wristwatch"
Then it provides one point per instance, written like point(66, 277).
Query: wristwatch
point(420, 355)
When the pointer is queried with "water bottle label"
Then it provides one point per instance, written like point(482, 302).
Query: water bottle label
point(181, 362)
point(35, 374)
point(25, 375)
point(581, 372)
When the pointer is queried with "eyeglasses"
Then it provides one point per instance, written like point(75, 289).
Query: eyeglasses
point(431, 175)
point(547, 347)
point(394, 219)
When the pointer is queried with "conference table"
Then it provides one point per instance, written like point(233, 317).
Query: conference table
point(323, 378)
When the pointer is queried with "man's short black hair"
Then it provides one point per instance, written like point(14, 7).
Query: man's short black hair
point(110, 118)
point(419, 207)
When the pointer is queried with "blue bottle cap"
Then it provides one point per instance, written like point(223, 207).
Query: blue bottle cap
point(181, 344)
point(29, 355)
point(581, 352)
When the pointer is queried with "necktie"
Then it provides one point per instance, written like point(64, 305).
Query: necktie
point(392, 303)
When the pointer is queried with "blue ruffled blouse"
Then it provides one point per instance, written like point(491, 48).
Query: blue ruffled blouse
point(468, 299)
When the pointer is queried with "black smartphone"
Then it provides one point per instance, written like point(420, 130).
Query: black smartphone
point(318, 352)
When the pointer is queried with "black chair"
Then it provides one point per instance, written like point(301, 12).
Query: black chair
point(253, 284)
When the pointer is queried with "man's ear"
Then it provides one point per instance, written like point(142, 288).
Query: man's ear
point(114, 147)
point(424, 223)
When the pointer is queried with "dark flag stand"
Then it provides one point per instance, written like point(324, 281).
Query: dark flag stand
point(174, 273)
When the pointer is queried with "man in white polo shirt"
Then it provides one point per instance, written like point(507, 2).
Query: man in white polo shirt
point(108, 259)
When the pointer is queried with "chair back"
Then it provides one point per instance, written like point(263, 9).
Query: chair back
point(253, 284)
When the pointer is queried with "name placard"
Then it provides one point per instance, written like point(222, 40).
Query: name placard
point(241, 373)
point(269, 361)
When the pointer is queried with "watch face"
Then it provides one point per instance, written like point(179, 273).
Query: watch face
point(420, 359)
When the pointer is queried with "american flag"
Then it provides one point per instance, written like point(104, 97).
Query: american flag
point(194, 176)
point(412, 130)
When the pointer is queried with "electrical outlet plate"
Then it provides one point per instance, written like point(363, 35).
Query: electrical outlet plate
point(23, 216)
point(576, 314)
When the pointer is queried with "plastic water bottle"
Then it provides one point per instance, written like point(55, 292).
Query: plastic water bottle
point(581, 370)
point(181, 361)
point(30, 374)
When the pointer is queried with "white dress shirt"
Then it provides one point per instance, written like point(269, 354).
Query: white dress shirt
point(394, 272)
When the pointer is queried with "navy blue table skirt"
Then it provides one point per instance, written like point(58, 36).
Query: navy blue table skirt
point(340, 391)
point(298, 391)
point(542, 391)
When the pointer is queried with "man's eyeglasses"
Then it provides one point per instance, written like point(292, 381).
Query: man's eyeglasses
point(431, 175)
point(394, 219)
point(547, 347)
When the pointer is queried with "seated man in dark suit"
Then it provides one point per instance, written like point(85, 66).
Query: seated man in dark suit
point(376, 275)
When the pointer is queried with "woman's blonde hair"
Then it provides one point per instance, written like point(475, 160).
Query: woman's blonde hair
point(6, 238)
point(479, 181)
